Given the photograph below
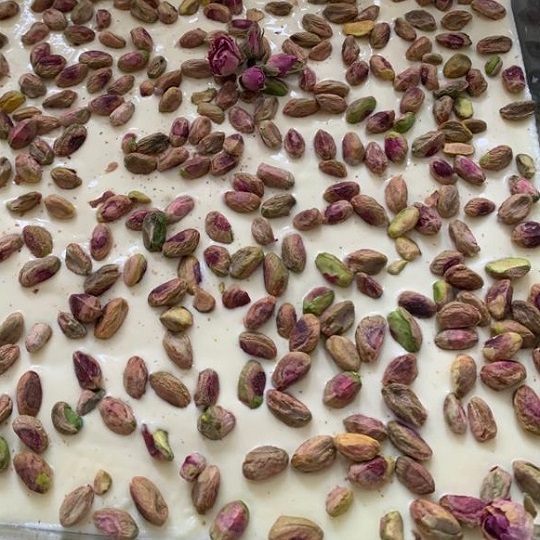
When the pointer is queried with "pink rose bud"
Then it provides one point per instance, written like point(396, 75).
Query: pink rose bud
point(253, 79)
point(224, 56)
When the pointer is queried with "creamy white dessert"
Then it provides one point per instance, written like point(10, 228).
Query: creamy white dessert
point(459, 463)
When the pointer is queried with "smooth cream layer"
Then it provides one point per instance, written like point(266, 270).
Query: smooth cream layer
point(458, 464)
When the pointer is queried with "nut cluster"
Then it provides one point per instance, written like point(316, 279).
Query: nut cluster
point(485, 314)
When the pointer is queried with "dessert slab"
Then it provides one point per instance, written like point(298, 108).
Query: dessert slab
point(459, 463)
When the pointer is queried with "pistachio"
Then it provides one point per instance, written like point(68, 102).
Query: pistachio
point(76, 505)
point(37, 337)
point(479, 206)
point(101, 280)
point(391, 526)
point(527, 477)
point(489, 9)
point(9, 244)
point(170, 388)
point(496, 484)
point(457, 315)
point(287, 409)
point(365, 425)
point(111, 319)
point(262, 232)
point(370, 210)
point(292, 526)
point(502, 374)
point(404, 403)
point(89, 400)
point(341, 389)
point(481, 420)
point(405, 330)
point(59, 207)
point(414, 476)
point(360, 109)
point(434, 521)
point(381, 68)
point(264, 462)
point(338, 501)
point(508, 268)
point(117, 415)
point(334, 168)
point(77, 260)
point(37, 271)
point(251, 384)
point(494, 45)
point(417, 304)
point(404, 221)
point(192, 466)
point(462, 277)
point(502, 346)
point(526, 234)
point(401, 370)
point(34, 471)
point(230, 522)
point(285, 320)
point(6, 408)
point(294, 108)
point(157, 444)
point(463, 375)
point(31, 432)
point(454, 414)
point(369, 337)
point(408, 441)
point(276, 273)
point(87, 371)
point(509, 325)
point(5, 456)
point(356, 447)
point(333, 270)
point(291, 368)
point(373, 474)
point(315, 454)
point(368, 261)
point(148, 500)
point(343, 352)
point(525, 165)
point(11, 328)
point(294, 143)
point(278, 206)
point(65, 420)
point(113, 521)
point(515, 208)
point(456, 340)
point(526, 408)
point(519, 185)
point(70, 141)
point(235, 297)
point(428, 144)
point(216, 422)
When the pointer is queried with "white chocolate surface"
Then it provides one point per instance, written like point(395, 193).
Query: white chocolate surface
point(459, 462)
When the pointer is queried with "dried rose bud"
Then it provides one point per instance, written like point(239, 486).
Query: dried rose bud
point(506, 519)
point(224, 56)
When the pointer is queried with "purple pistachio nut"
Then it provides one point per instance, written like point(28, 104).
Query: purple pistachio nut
point(281, 64)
